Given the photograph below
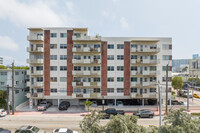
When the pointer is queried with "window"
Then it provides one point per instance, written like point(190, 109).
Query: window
point(110, 46)
point(165, 68)
point(39, 90)
point(16, 91)
point(169, 79)
point(53, 68)
point(133, 68)
point(2, 83)
point(133, 79)
point(120, 46)
point(53, 35)
point(120, 68)
point(63, 35)
point(167, 46)
point(53, 57)
point(53, 79)
point(120, 57)
point(63, 46)
point(120, 90)
point(96, 68)
point(39, 79)
point(133, 90)
point(152, 89)
point(152, 68)
point(110, 57)
point(63, 57)
point(77, 57)
point(133, 45)
point(153, 47)
point(167, 57)
point(120, 79)
point(153, 57)
point(53, 90)
point(96, 90)
point(77, 34)
point(53, 46)
point(77, 46)
point(39, 68)
point(63, 68)
point(77, 68)
point(96, 57)
point(63, 79)
point(133, 56)
point(3, 73)
point(96, 45)
point(110, 79)
point(110, 90)
point(152, 79)
point(110, 68)
point(16, 73)
point(97, 79)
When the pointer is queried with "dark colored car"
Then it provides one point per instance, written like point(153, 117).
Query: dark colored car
point(64, 105)
point(112, 111)
point(175, 102)
point(4, 130)
point(144, 114)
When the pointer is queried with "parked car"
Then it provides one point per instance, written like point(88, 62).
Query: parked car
point(3, 112)
point(4, 130)
point(120, 103)
point(144, 113)
point(29, 129)
point(63, 130)
point(183, 93)
point(44, 105)
point(94, 104)
point(196, 95)
point(175, 102)
point(64, 105)
point(112, 111)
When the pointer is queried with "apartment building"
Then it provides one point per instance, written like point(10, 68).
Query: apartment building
point(1, 60)
point(20, 87)
point(68, 64)
point(194, 68)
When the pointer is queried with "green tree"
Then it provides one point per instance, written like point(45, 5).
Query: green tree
point(179, 121)
point(177, 82)
point(3, 99)
point(19, 67)
point(185, 69)
point(194, 80)
point(88, 104)
point(3, 67)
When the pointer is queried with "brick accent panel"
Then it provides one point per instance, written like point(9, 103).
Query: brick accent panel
point(126, 68)
point(47, 62)
point(69, 62)
point(104, 68)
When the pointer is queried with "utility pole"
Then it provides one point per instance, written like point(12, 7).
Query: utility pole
point(188, 98)
point(167, 90)
point(160, 105)
point(8, 101)
point(13, 90)
point(192, 83)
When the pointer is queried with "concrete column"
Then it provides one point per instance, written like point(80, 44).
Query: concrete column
point(30, 103)
point(36, 101)
point(142, 102)
point(58, 102)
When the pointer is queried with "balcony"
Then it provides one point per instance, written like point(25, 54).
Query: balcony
point(86, 84)
point(95, 72)
point(86, 73)
point(35, 95)
point(35, 73)
point(36, 84)
point(36, 49)
point(86, 95)
point(145, 50)
point(144, 62)
point(136, 95)
point(35, 61)
point(86, 38)
point(35, 38)
point(153, 95)
point(86, 49)
point(86, 61)
point(74, 83)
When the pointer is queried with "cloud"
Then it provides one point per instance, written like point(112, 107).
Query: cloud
point(70, 6)
point(6, 43)
point(115, 1)
point(124, 23)
point(33, 14)
point(108, 14)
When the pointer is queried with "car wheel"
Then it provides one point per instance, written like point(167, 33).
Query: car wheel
point(150, 116)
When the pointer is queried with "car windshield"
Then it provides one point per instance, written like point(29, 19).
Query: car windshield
point(69, 131)
point(35, 129)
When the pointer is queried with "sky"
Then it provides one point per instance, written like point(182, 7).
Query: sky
point(178, 19)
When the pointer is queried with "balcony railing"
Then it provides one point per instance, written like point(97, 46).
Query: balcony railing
point(94, 73)
point(86, 95)
point(144, 95)
point(86, 49)
point(86, 61)
point(35, 95)
point(145, 50)
point(36, 84)
point(36, 49)
point(35, 73)
point(86, 38)
point(35, 61)
point(35, 38)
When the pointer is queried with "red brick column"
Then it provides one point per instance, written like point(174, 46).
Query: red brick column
point(47, 62)
point(104, 68)
point(69, 62)
point(126, 68)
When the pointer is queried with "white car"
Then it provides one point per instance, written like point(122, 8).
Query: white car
point(120, 103)
point(3, 112)
point(94, 104)
point(63, 130)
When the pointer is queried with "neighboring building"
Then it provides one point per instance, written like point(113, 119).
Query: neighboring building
point(19, 83)
point(179, 64)
point(68, 64)
point(1, 60)
point(194, 70)
point(195, 56)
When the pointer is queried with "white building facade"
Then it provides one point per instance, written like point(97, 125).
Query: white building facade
point(68, 64)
